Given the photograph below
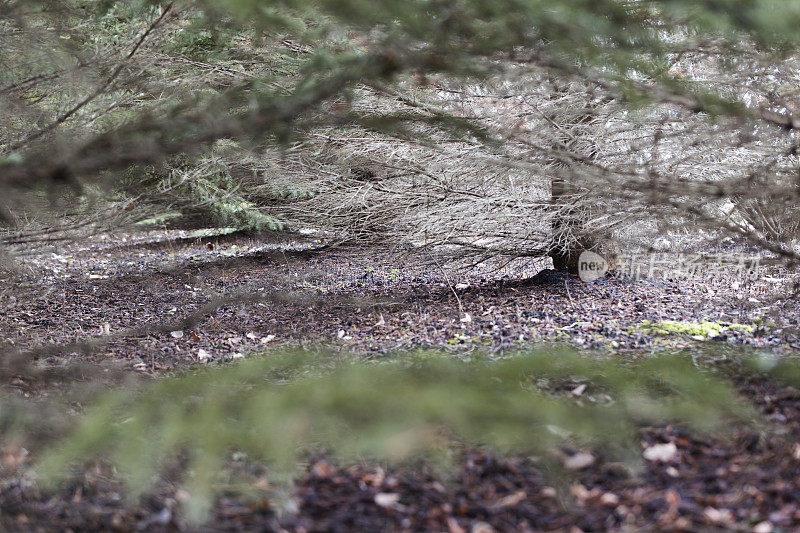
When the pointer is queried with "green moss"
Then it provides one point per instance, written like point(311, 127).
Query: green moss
point(705, 328)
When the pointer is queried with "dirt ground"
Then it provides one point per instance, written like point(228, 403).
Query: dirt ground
point(374, 301)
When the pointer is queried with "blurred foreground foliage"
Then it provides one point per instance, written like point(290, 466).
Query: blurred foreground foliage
point(279, 407)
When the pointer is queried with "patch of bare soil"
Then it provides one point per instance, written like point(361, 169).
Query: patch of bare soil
point(374, 301)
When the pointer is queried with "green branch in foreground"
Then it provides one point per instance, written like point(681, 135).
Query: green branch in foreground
point(276, 408)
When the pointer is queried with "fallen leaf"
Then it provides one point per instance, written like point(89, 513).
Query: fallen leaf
point(268, 338)
point(577, 391)
point(610, 499)
point(453, 527)
point(323, 470)
point(718, 516)
point(387, 499)
point(467, 318)
point(580, 493)
point(763, 527)
point(252, 336)
point(661, 452)
point(375, 479)
point(510, 501)
point(381, 321)
point(481, 527)
point(262, 484)
point(673, 498)
point(579, 461)
point(13, 456)
point(548, 492)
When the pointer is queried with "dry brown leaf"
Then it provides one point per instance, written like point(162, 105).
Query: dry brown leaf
point(511, 500)
point(481, 527)
point(453, 527)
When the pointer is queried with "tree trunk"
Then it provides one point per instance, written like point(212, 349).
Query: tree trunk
point(571, 237)
point(570, 234)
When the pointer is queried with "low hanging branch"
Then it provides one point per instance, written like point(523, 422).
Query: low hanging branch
point(150, 140)
point(101, 89)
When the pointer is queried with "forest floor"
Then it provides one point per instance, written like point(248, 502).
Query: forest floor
point(153, 305)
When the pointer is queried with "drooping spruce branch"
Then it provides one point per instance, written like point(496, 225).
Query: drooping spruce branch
point(275, 408)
